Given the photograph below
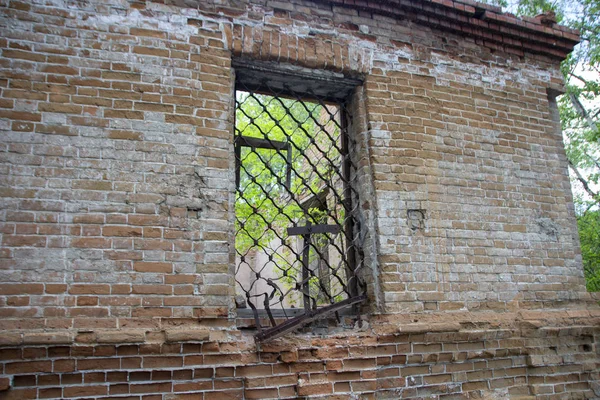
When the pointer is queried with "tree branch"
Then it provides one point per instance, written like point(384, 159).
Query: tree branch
point(582, 111)
point(591, 158)
point(594, 161)
point(578, 77)
point(588, 208)
point(583, 182)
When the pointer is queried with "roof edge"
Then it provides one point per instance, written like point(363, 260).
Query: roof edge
point(486, 23)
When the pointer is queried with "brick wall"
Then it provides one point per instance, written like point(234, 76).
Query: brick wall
point(117, 200)
point(427, 361)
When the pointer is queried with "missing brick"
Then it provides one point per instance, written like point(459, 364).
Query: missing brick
point(416, 219)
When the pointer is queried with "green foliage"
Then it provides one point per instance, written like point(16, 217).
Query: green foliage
point(264, 204)
point(589, 234)
point(534, 7)
point(497, 3)
point(261, 202)
point(267, 203)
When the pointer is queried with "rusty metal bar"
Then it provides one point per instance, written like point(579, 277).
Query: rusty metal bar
point(306, 272)
point(313, 229)
point(298, 322)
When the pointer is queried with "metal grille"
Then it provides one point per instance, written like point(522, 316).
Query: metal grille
point(298, 257)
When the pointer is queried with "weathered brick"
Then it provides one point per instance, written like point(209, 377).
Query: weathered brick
point(124, 231)
point(150, 51)
point(47, 338)
point(121, 336)
point(153, 267)
point(315, 389)
point(125, 114)
point(118, 220)
point(11, 339)
point(92, 185)
point(89, 289)
point(21, 288)
point(165, 108)
point(182, 335)
point(4, 383)
point(28, 367)
point(83, 391)
point(60, 108)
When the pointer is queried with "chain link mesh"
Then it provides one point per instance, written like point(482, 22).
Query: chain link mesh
point(296, 243)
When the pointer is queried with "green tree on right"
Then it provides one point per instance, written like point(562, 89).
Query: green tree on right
point(579, 113)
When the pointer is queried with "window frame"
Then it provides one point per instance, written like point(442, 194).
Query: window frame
point(287, 81)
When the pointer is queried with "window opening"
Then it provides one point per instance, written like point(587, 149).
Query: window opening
point(298, 257)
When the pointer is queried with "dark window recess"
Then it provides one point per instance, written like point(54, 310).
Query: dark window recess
point(298, 256)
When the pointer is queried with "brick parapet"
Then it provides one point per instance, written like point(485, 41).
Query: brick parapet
point(485, 23)
point(488, 24)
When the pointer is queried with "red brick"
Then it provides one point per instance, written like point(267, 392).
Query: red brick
point(125, 135)
point(162, 362)
point(151, 388)
point(163, 267)
point(4, 383)
point(151, 51)
point(28, 367)
point(21, 240)
point(60, 108)
point(187, 335)
point(92, 185)
point(315, 389)
point(20, 394)
point(21, 288)
point(120, 336)
point(122, 231)
point(89, 289)
point(225, 394)
point(98, 364)
point(47, 338)
point(147, 33)
point(261, 394)
point(23, 55)
point(87, 301)
point(192, 386)
point(84, 391)
point(359, 364)
point(152, 289)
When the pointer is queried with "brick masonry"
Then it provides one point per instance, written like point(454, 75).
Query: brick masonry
point(117, 200)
